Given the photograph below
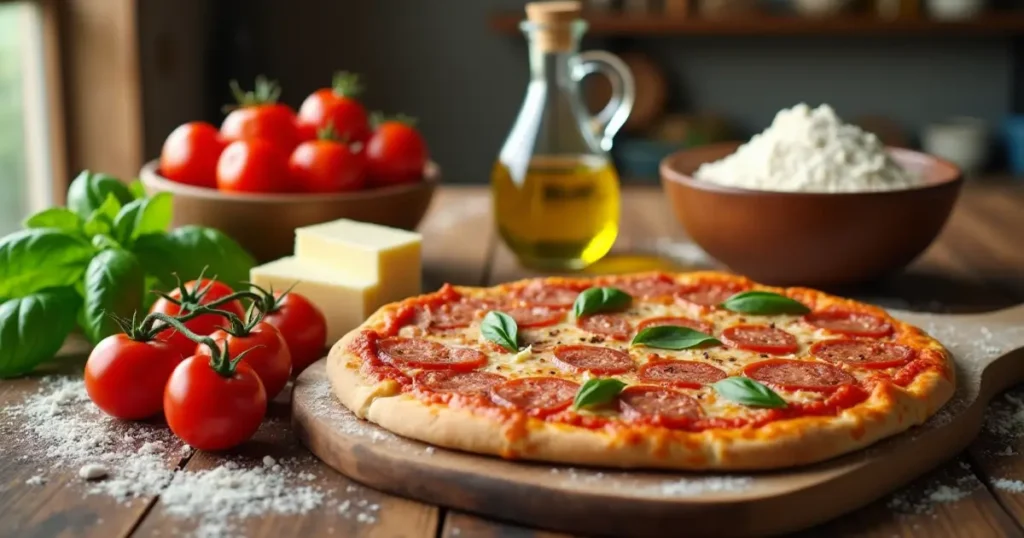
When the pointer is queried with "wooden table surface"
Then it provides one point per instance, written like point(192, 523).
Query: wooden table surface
point(976, 265)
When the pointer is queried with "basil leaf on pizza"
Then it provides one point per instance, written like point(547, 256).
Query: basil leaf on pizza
point(597, 392)
point(763, 303)
point(602, 299)
point(672, 337)
point(746, 391)
point(500, 328)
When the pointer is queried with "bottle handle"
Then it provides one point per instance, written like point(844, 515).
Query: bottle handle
point(613, 116)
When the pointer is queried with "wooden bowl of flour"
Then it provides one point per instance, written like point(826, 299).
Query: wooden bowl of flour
point(811, 239)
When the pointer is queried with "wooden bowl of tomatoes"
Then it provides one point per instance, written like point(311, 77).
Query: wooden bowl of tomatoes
point(268, 170)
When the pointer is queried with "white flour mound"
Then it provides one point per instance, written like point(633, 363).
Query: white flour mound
point(810, 150)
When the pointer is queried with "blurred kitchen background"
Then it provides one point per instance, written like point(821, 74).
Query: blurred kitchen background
point(100, 83)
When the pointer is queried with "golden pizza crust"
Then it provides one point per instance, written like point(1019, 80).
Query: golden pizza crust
point(887, 411)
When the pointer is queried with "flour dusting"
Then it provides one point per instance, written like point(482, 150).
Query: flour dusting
point(59, 429)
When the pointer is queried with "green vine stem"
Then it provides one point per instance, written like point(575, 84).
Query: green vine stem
point(265, 92)
point(346, 84)
point(220, 359)
point(377, 118)
point(145, 330)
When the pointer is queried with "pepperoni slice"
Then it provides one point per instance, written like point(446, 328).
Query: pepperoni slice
point(863, 353)
point(419, 353)
point(594, 359)
point(799, 375)
point(537, 395)
point(467, 383)
point(850, 323)
point(535, 316)
point(681, 374)
point(548, 295)
point(694, 324)
point(660, 406)
point(610, 325)
point(710, 293)
point(760, 338)
point(648, 287)
point(453, 315)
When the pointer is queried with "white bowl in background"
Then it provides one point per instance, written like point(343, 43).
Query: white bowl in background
point(963, 141)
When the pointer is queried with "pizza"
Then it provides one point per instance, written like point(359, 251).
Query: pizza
point(692, 371)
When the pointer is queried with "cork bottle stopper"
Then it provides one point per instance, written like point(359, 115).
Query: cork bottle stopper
point(555, 23)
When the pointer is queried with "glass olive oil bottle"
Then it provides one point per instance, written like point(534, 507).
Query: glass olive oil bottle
point(554, 187)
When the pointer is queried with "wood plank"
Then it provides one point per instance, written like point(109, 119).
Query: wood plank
point(348, 509)
point(60, 506)
point(997, 451)
point(911, 512)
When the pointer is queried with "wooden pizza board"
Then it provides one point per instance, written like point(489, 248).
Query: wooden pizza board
point(987, 349)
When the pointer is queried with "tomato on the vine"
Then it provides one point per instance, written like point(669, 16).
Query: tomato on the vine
point(190, 154)
point(258, 116)
point(213, 406)
point(327, 165)
point(336, 107)
point(253, 166)
point(203, 292)
point(125, 376)
point(266, 352)
point(303, 327)
point(395, 153)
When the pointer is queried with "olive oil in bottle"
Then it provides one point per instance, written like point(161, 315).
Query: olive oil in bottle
point(554, 188)
point(564, 214)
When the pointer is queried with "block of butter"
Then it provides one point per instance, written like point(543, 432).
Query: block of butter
point(366, 252)
point(345, 300)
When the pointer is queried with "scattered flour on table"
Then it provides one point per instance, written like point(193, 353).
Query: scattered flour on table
point(810, 150)
point(922, 497)
point(60, 428)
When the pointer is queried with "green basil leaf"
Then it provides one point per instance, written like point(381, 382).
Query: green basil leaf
point(39, 258)
point(101, 221)
point(596, 392)
point(60, 218)
point(500, 328)
point(763, 303)
point(672, 337)
point(746, 391)
point(593, 300)
point(113, 285)
point(89, 191)
point(104, 241)
point(188, 250)
point(137, 189)
point(34, 327)
point(142, 217)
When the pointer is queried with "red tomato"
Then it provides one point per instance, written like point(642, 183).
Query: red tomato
point(260, 117)
point(267, 354)
point(253, 166)
point(396, 153)
point(303, 327)
point(211, 411)
point(125, 378)
point(190, 154)
point(202, 325)
point(327, 166)
point(337, 108)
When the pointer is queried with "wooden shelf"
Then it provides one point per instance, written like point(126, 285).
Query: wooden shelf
point(989, 25)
